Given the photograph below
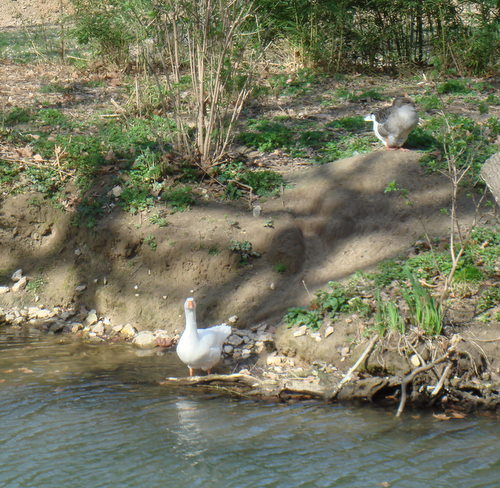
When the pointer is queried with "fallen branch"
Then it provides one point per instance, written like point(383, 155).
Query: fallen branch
point(236, 379)
point(410, 377)
point(355, 366)
point(441, 381)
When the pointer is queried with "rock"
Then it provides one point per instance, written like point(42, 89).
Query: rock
point(78, 252)
point(163, 338)
point(117, 328)
point(245, 353)
point(302, 330)
point(316, 336)
point(91, 318)
point(116, 191)
point(234, 340)
point(20, 285)
point(257, 210)
point(98, 329)
point(4, 289)
point(56, 327)
point(228, 349)
point(44, 313)
point(80, 288)
point(74, 327)
point(145, 339)
point(329, 331)
point(233, 319)
point(415, 361)
point(17, 275)
point(128, 331)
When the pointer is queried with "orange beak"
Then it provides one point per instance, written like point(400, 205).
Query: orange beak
point(190, 304)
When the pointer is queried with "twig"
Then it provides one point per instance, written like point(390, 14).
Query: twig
point(361, 358)
point(441, 381)
point(410, 377)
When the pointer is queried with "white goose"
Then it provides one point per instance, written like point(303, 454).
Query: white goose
point(393, 124)
point(200, 348)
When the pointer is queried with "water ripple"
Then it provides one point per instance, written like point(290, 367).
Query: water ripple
point(90, 416)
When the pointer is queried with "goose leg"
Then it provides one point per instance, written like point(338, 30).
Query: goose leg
point(209, 371)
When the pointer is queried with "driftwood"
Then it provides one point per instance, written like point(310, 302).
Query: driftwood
point(250, 386)
point(410, 377)
point(355, 366)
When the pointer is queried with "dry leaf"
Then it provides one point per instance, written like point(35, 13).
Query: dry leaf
point(441, 416)
point(385, 484)
point(38, 158)
point(8, 371)
point(25, 370)
point(457, 415)
point(24, 152)
point(2, 380)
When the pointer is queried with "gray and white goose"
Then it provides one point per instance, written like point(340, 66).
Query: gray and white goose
point(200, 348)
point(393, 124)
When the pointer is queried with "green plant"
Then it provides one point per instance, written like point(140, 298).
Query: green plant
point(425, 311)
point(266, 135)
point(333, 300)
point(35, 285)
point(388, 316)
point(52, 116)
point(214, 251)
point(279, 267)
point(157, 219)
point(468, 274)
point(348, 123)
point(296, 317)
point(244, 250)
point(489, 298)
point(151, 242)
point(453, 86)
point(263, 182)
point(15, 116)
point(179, 199)
point(428, 102)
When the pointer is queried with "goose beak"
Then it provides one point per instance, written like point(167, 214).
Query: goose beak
point(190, 303)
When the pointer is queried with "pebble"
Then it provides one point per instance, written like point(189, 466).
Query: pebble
point(145, 339)
point(329, 331)
point(233, 319)
point(415, 361)
point(128, 331)
point(234, 340)
point(19, 285)
point(91, 318)
point(4, 289)
point(80, 288)
point(302, 330)
point(17, 275)
point(98, 329)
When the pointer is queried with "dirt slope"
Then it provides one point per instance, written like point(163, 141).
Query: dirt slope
point(334, 220)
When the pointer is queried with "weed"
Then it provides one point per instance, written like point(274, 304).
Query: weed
point(151, 242)
point(348, 123)
point(279, 268)
point(266, 135)
point(35, 285)
point(387, 272)
point(453, 86)
point(269, 223)
point(425, 312)
point(52, 117)
point(388, 316)
point(244, 250)
point(89, 211)
point(489, 298)
point(15, 116)
point(297, 316)
point(264, 182)
point(333, 300)
point(54, 88)
point(214, 251)
point(136, 197)
point(179, 199)
point(428, 102)
point(157, 219)
point(468, 274)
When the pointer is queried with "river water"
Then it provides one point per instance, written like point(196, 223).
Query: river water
point(77, 415)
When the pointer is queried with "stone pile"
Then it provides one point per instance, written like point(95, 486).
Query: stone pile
point(240, 345)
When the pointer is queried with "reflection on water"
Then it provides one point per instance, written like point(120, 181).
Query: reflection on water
point(76, 415)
